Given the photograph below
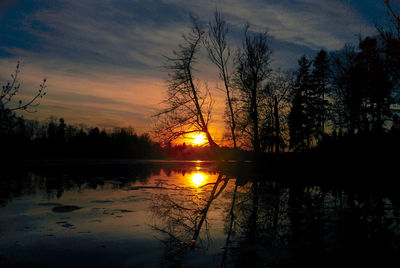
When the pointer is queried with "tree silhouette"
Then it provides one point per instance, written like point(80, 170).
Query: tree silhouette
point(300, 125)
point(394, 22)
point(320, 78)
point(189, 107)
point(11, 89)
point(219, 53)
point(364, 88)
point(253, 67)
point(276, 95)
point(347, 95)
point(389, 36)
point(376, 85)
point(8, 119)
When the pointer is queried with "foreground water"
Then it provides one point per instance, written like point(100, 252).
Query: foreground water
point(190, 214)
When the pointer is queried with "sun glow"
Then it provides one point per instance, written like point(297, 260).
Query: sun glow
point(199, 139)
point(198, 179)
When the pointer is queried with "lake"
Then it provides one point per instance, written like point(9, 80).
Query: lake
point(190, 214)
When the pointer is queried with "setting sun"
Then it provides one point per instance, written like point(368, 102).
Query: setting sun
point(199, 139)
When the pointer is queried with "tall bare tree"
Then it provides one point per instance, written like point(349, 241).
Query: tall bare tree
point(276, 95)
point(189, 107)
point(253, 68)
point(219, 53)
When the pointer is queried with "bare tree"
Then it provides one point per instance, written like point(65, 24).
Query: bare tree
point(253, 67)
point(276, 98)
point(391, 41)
point(394, 18)
point(189, 107)
point(219, 53)
point(11, 89)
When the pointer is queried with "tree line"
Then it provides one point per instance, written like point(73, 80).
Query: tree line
point(55, 139)
point(22, 138)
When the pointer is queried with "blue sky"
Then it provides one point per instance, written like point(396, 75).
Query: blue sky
point(103, 58)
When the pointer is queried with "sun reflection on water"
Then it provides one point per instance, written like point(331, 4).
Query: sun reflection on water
point(198, 179)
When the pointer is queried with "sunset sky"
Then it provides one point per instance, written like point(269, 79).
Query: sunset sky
point(103, 58)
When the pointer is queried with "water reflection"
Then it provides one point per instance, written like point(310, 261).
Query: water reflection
point(199, 214)
point(271, 223)
point(184, 214)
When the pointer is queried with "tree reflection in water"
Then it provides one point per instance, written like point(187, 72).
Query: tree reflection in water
point(280, 224)
point(184, 214)
point(265, 220)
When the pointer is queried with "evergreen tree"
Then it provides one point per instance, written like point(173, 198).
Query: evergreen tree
point(51, 130)
point(61, 131)
point(300, 121)
point(320, 79)
point(347, 92)
point(295, 122)
point(375, 84)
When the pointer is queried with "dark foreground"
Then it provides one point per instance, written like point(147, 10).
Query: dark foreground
point(199, 214)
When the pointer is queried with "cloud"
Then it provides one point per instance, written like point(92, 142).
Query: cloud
point(313, 23)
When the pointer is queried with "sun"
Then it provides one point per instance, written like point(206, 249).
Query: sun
point(199, 139)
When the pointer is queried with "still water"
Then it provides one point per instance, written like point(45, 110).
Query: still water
point(189, 214)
